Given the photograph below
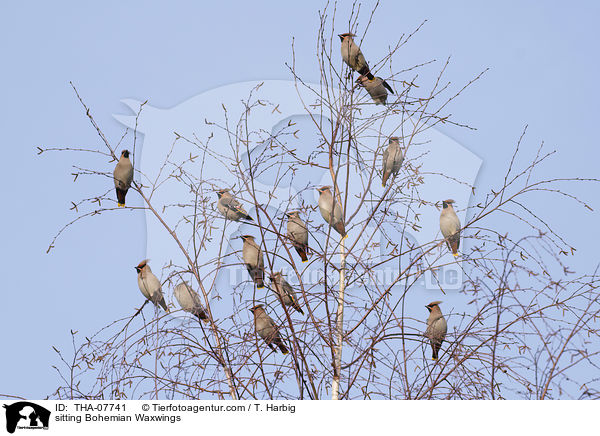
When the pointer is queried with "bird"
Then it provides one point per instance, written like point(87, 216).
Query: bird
point(436, 328)
point(285, 291)
point(189, 301)
point(266, 329)
point(376, 87)
point(230, 208)
point(150, 285)
point(450, 226)
point(253, 259)
point(352, 55)
point(298, 234)
point(326, 205)
point(123, 176)
point(392, 159)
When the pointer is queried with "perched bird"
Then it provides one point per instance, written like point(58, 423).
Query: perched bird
point(123, 176)
point(253, 259)
point(436, 328)
point(230, 208)
point(150, 285)
point(298, 234)
point(326, 205)
point(352, 55)
point(376, 87)
point(392, 159)
point(450, 226)
point(266, 329)
point(285, 291)
point(190, 301)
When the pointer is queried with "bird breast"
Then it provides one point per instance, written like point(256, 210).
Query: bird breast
point(263, 327)
point(185, 298)
point(144, 288)
point(449, 223)
point(251, 255)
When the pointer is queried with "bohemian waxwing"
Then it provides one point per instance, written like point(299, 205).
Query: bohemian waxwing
point(230, 208)
point(189, 301)
point(392, 160)
point(123, 176)
point(352, 55)
point(436, 328)
point(150, 285)
point(326, 205)
point(253, 259)
point(376, 87)
point(450, 226)
point(266, 329)
point(298, 234)
point(285, 291)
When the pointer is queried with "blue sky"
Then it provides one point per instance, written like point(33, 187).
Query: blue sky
point(543, 72)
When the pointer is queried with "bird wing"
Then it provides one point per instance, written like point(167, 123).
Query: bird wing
point(386, 154)
point(298, 232)
point(275, 330)
point(234, 205)
point(398, 159)
point(158, 298)
point(360, 62)
point(388, 87)
point(436, 328)
point(289, 291)
point(338, 214)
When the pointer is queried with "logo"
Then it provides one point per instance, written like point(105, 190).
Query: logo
point(26, 415)
point(448, 170)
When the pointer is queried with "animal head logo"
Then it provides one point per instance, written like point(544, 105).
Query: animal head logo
point(286, 189)
point(24, 414)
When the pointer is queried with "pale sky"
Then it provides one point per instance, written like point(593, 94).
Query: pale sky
point(543, 73)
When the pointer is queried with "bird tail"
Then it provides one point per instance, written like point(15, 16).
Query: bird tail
point(339, 227)
point(257, 275)
point(386, 176)
point(248, 218)
point(436, 345)
point(302, 249)
point(281, 346)
point(453, 242)
point(160, 300)
point(365, 72)
point(296, 306)
point(121, 197)
point(202, 317)
point(259, 279)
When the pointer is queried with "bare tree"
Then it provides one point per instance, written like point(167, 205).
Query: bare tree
point(522, 325)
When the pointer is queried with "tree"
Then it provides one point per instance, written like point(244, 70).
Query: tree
point(521, 325)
